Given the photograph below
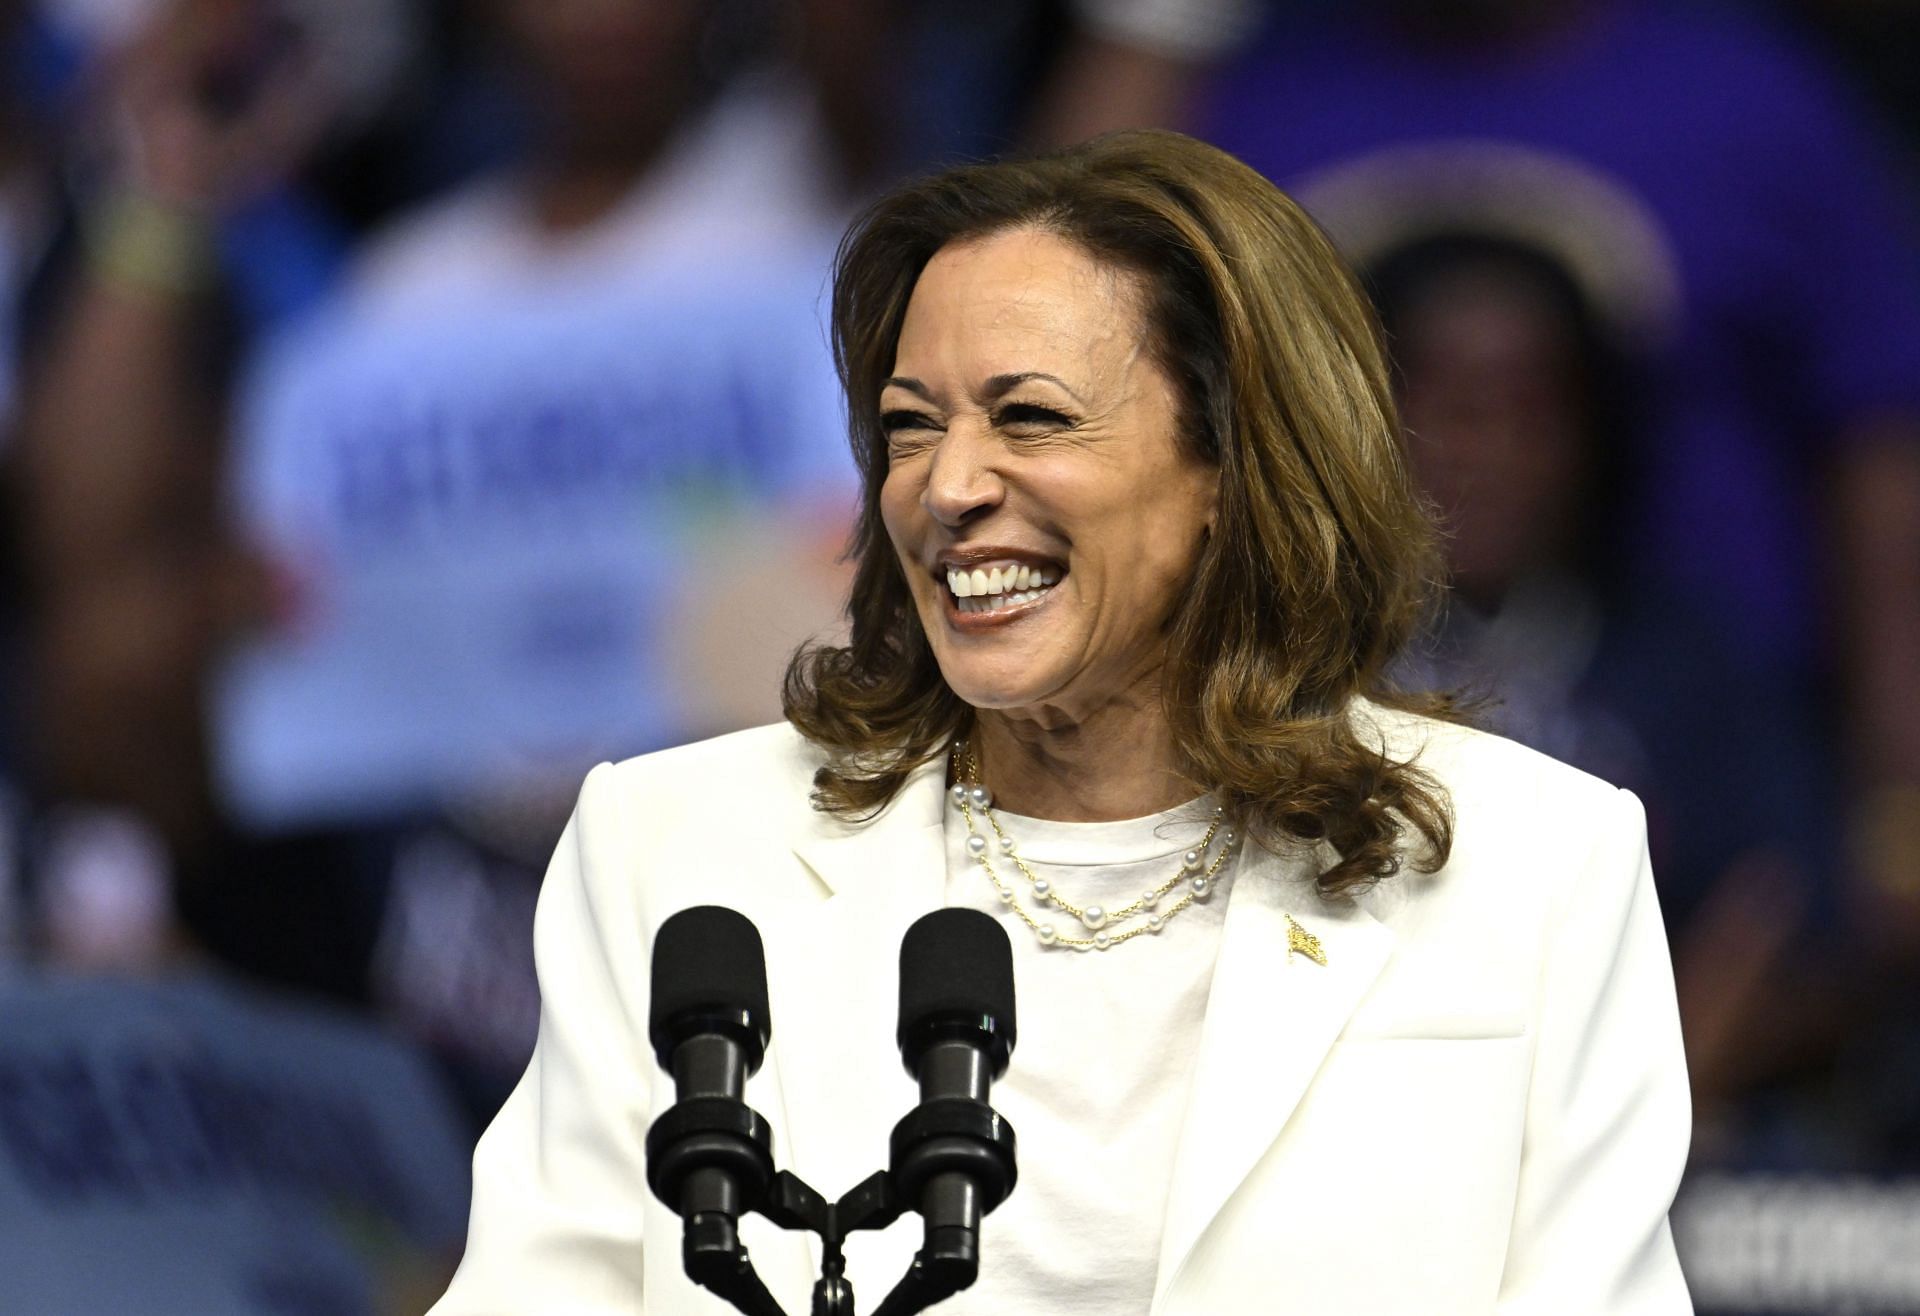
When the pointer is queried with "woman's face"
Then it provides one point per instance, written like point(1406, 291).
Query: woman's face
point(1046, 514)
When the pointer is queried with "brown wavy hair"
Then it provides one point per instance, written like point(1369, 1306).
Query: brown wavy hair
point(1322, 564)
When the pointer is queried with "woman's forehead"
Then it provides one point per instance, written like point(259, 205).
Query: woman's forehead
point(1019, 302)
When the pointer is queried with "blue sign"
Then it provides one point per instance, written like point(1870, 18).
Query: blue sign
point(187, 1148)
point(500, 526)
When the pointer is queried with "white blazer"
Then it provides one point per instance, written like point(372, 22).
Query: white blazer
point(1477, 1105)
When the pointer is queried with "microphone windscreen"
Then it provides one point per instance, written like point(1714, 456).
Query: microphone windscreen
point(956, 963)
point(707, 959)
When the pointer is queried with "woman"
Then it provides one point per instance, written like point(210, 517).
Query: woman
point(1136, 545)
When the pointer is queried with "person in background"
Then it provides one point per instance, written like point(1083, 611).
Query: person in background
point(636, 137)
point(179, 1136)
point(1519, 415)
point(1136, 64)
point(627, 282)
point(183, 234)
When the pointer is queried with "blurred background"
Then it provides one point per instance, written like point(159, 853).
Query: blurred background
point(407, 404)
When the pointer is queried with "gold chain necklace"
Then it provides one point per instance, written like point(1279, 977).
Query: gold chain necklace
point(1198, 874)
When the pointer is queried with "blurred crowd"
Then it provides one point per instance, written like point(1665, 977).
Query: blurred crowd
point(407, 404)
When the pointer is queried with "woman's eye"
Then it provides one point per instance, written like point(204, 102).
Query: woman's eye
point(1025, 415)
point(898, 422)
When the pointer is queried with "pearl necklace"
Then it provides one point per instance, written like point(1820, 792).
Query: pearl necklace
point(1198, 874)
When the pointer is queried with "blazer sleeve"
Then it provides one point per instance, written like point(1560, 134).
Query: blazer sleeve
point(558, 1179)
point(1608, 1112)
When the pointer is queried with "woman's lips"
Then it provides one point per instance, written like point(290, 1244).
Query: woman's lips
point(986, 586)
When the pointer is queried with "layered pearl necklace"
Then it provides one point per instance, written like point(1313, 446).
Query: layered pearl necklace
point(1196, 879)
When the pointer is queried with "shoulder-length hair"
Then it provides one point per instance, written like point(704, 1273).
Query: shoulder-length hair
point(1322, 564)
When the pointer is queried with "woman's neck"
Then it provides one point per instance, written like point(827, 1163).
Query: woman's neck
point(1097, 769)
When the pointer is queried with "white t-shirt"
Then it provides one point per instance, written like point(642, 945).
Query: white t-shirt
point(1097, 1088)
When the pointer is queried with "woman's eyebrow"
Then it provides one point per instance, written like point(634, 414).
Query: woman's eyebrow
point(1000, 385)
point(995, 388)
point(912, 386)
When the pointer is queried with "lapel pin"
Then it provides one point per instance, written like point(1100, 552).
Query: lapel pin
point(1299, 939)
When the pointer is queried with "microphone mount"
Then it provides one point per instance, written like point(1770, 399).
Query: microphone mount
point(927, 1147)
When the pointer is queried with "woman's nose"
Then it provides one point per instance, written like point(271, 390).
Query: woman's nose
point(964, 482)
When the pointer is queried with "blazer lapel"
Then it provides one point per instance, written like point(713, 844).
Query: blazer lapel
point(877, 859)
point(835, 967)
point(1271, 1018)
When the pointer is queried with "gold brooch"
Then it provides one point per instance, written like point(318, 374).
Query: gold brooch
point(1299, 939)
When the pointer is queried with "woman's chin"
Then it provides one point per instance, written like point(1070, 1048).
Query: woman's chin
point(985, 689)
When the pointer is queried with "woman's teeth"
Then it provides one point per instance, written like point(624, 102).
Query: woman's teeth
point(990, 589)
point(995, 602)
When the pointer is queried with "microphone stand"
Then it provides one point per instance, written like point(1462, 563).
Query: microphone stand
point(871, 1204)
point(717, 1261)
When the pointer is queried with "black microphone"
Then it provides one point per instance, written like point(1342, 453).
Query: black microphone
point(953, 1155)
point(710, 1157)
point(708, 1021)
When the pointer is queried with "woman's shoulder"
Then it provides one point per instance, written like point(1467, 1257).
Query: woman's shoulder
point(1481, 770)
point(1527, 828)
point(690, 824)
point(762, 769)
point(1538, 847)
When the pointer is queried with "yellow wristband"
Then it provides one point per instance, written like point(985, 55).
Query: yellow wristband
point(143, 243)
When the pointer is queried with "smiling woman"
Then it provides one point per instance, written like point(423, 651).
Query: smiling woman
point(1137, 545)
point(1139, 368)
